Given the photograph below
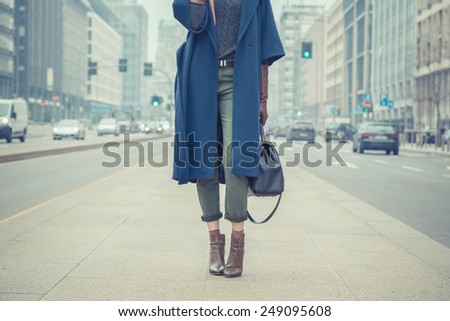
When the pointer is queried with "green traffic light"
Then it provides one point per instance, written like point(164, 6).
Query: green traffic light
point(307, 54)
point(155, 104)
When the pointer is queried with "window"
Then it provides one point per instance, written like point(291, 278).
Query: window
point(360, 7)
point(349, 42)
point(360, 73)
point(361, 34)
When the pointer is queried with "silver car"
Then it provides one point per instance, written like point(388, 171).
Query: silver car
point(108, 126)
point(69, 128)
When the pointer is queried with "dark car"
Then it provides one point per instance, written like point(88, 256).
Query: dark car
point(301, 131)
point(341, 132)
point(280, 130)
point(376, 136)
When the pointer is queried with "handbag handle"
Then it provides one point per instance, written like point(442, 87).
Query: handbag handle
point(263, 139)
point(268, 217)
point(261, 132)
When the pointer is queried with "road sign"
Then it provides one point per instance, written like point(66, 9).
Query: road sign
point(43, 103)
point(391, 104)
point(384, 99)
point(334, 111)
point(123, 65)
point(148, 69)
point(368, 98)
point(55, 98)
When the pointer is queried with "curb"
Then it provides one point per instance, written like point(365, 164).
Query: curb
point(64, 150)
point(425, 151)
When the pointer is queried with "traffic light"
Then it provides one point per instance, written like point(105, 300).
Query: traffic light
point(156, 101)
point(92, 68)
point(307, 50)
point(123, 67)
point(148, 69)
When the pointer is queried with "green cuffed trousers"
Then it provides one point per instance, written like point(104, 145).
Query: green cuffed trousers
point(236, 186)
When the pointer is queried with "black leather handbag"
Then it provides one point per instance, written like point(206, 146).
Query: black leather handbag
point(271, 180)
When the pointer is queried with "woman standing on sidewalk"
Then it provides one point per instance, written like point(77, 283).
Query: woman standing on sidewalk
point(220, 100)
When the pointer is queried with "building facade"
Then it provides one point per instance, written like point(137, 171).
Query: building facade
point(294, 22)
point(432, 72)
point(393, 49)
point(133, 26)
point(170, 36)
point(104, 46)
point(52, 52)
point(357, 58)
point(7, 48)
point(74, 54)
point(334, 61)
point(315, 73)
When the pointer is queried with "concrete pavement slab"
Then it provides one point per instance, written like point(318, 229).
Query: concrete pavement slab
point(136, 235)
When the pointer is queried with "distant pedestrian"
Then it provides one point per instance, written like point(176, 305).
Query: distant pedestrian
point(220, 98)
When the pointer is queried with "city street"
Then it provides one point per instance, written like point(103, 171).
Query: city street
point(73, 230)
point(411, 187)
point(37, 180)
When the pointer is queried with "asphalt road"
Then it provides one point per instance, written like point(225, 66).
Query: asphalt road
point(27, 183)
point(412, 187)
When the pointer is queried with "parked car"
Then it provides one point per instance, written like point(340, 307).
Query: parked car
point(281, 130)
point(340, 131)
point(69, 128)
point(13, 119)
point(153, 127)
point(376, 136)
point(301, 131)
point(446, 137)
point(108, 126)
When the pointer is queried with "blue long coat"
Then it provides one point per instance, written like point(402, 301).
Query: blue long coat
point(196, 117)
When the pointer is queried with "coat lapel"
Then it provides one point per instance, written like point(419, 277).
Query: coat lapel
point(247, 11)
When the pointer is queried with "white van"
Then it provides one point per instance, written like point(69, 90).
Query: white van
point(13, 119)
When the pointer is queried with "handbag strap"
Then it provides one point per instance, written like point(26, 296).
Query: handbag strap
point(268, 217)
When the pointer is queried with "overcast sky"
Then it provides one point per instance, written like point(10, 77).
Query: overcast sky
point(162, 9)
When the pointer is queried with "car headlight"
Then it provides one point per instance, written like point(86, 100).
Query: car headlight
point(5, 121)
point(55, 130)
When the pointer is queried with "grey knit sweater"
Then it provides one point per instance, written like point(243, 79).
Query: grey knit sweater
point(228, 17)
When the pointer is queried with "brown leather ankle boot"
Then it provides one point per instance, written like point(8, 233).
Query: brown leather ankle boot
point(235, 262)
point(217, 254)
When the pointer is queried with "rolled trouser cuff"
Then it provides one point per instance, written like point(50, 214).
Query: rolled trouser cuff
point(212, 218)
point(235, 219)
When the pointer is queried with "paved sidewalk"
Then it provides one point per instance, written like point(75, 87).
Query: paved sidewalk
point(136, 235)
point(425, 149)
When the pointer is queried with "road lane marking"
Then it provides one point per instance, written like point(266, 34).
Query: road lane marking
point(412, 169)
point(448, 176)
point(448, 168)
point(380, 161)
point(345, 164)
point(350, 165)
point(356, 157)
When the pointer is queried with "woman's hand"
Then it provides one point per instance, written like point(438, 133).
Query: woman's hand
point(263, 115)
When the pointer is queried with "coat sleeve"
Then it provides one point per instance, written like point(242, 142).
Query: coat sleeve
point(182, 12)
point(271, 45)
